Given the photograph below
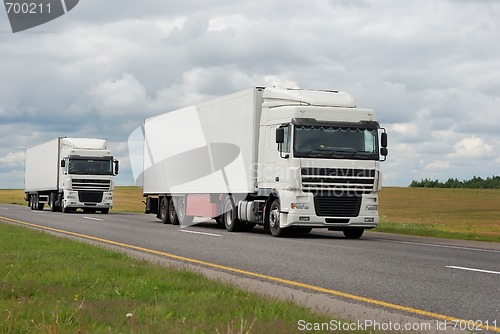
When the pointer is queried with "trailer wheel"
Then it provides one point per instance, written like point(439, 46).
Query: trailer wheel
point(230, 216)
point(182, 217)
point(172, 212)
point(36, 203)
point(274, 219)
point(354, 233)
point(30, 202)
point(164, 210)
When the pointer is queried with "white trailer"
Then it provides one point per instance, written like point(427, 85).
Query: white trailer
point(70, 173)
point(286, 159)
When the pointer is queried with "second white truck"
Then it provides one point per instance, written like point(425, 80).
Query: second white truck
point(69, 174)
point(286, 159)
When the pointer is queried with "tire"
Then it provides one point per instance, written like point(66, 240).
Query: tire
point(52, 202)
point(172, 212)
point(354, 233)
point(30, 202)
point(180, 203)
point(103, 211)
point(163, 211)
point(64, 209)
point(231, 222)
point(38, 206)
point(274, 219)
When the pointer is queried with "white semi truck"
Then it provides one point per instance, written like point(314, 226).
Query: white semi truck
point(286, 159)
point(70, 173)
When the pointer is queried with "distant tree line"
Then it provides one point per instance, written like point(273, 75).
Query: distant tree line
point(476, 182)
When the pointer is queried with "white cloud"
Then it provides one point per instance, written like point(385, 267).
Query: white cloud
point(472, 147)
point(12, 159)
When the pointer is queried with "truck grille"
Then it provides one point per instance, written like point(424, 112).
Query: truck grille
point(90, 196)
point(85, 184)
point(337, 191)
point(337, 206)
point(338, 182)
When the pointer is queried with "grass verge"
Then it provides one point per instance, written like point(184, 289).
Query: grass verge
point(54, 285)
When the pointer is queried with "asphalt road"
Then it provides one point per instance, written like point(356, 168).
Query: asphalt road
point(458, 279)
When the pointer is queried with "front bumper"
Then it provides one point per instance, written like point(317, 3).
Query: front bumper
point(72, 200)
point(367, 217)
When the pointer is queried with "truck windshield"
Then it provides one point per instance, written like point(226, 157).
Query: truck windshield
point(88, 166)
point(332, 142)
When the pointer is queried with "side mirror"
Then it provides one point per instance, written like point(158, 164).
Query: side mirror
point(280, 135)
point(116, 166)
point(384, 139)
point(383, 143)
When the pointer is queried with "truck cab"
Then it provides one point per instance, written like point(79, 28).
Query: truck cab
point(321, 158)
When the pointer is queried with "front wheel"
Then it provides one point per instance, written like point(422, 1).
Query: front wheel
point(354, 233)
point(274, 219)
point(64, 208)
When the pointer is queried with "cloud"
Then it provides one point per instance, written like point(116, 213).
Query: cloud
point(429, 69)
point(473, 147)
point(12, 160)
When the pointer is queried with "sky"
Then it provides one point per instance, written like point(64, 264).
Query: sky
point(430, 69)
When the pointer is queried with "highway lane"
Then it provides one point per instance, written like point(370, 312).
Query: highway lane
point(425, 274)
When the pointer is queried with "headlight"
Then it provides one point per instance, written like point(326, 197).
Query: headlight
point(300, 206)
point(372, 207)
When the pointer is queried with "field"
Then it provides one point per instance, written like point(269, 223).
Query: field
point(472, 214)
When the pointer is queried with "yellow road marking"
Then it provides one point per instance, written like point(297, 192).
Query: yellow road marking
point(411, 310)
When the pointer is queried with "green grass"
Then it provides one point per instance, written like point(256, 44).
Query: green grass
point(55, 285)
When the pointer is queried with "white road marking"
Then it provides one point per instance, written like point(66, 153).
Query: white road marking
point(473, 269)
point(441, 246)
point(92, 218)
point(202, 233)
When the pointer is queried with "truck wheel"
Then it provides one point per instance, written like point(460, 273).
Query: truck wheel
point(231, 222)
point(354, 233)
point(52, 202)
point(183, 218)
point(172, 213)
point(37, 205)
point(103, 211)
point(164, 213)
point(274, 219)
point(30, 202)
point(64, 209)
